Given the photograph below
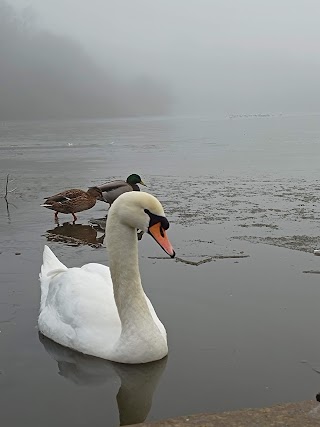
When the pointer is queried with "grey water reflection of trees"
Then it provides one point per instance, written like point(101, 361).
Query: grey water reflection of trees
point(47, 76)
point(137, 382)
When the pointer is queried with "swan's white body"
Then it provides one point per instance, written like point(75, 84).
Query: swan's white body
point(87, 310)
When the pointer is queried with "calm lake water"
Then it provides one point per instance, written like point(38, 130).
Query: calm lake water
point(242, 330)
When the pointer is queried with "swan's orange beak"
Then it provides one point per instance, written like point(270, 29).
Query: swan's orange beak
point(160, 236)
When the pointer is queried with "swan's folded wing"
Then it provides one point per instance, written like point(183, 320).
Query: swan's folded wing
point(80, 311)
point(156, 318)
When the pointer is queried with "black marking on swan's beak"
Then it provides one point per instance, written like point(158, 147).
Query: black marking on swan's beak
point(157, 229)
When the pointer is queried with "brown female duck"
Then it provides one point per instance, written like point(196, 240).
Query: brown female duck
point(72, 201)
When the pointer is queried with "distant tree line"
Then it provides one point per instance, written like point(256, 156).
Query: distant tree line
point(43, 75)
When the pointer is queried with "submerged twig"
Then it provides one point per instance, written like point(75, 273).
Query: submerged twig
point(7, 184)
point(202, 261)
point(5, 196)
point(7, 191)
point(311, 271)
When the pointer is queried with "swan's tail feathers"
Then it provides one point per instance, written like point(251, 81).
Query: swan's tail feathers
point(51, 265)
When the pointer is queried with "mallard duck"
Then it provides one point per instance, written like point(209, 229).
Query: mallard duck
point(112, 190)
point(104, 312)
point(73, 200)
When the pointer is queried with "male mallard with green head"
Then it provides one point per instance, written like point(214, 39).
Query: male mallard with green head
point(112, 190)
point(72, 201)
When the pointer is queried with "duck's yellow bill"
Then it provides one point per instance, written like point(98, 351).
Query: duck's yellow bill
point(160, 236)
point(142, 183)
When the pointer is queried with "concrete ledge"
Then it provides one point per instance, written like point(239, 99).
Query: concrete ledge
point(301, 414)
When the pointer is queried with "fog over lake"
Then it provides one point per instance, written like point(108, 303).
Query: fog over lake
point(215, 104)
point(141, 56)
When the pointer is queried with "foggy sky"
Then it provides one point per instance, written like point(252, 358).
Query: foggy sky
point(221, 56)
point(44, 75)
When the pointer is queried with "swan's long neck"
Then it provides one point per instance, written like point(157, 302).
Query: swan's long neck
point(123, 262)
point(139, 332)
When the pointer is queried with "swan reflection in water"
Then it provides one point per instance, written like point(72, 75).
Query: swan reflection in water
point(138, 382)
point(76, 234)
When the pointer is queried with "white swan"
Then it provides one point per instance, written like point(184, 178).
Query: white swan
point(104, 312)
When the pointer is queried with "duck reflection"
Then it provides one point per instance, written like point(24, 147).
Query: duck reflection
point(100, 224)
point(138, 382)
point(76, 234)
